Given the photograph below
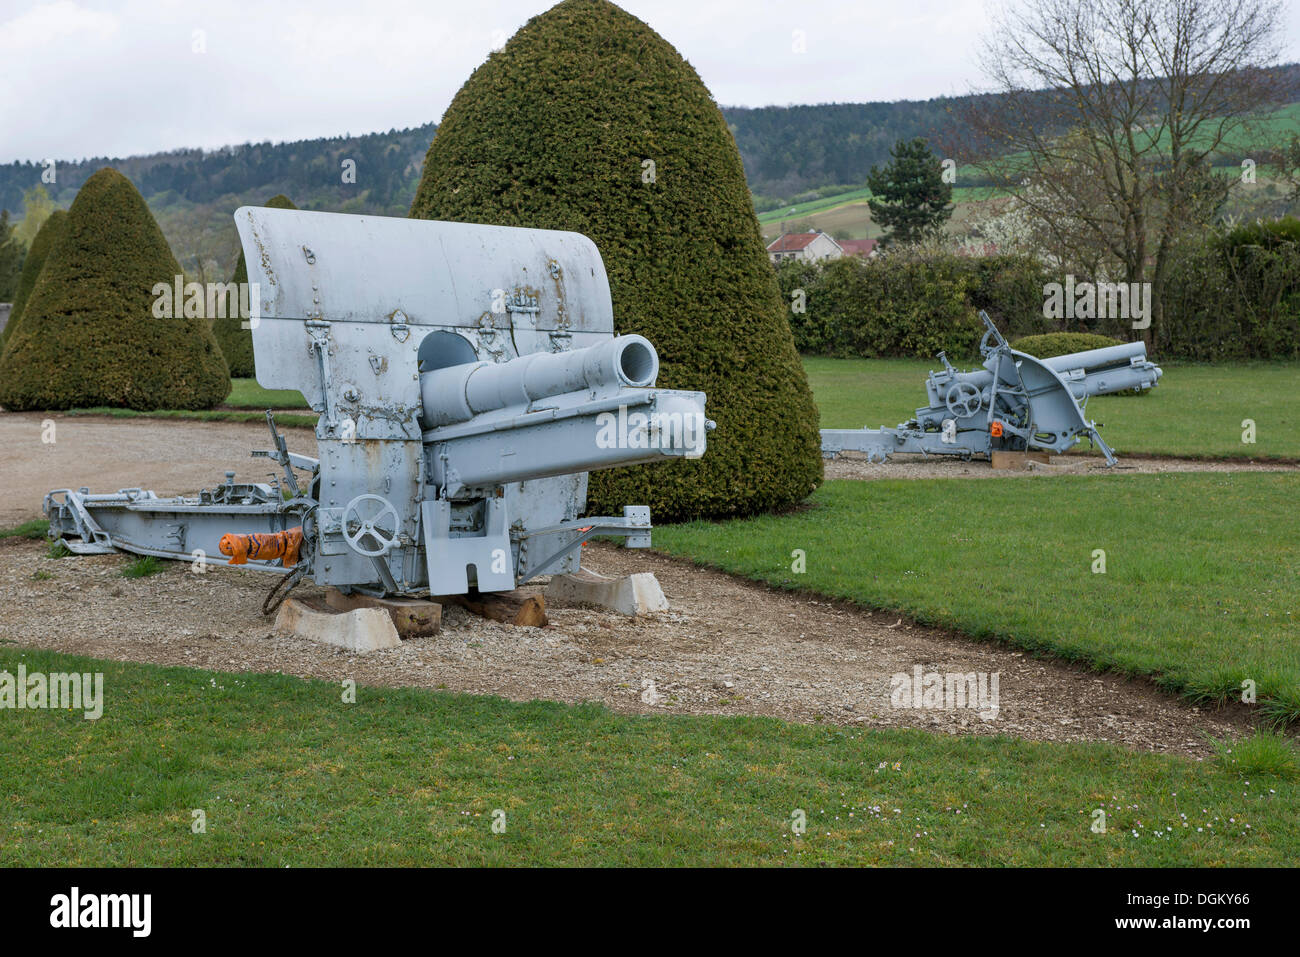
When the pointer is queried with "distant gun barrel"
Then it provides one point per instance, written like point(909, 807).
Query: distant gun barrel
point(458, 393)
point(1094, 359)
point(1107, 370)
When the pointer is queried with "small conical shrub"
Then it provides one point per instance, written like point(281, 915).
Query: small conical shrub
point(89, 336)
point(235, 341)
point(559, 130)
point(47, 237)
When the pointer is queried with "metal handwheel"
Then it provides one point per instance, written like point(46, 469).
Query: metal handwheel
point(378, 508)
point(963, 399)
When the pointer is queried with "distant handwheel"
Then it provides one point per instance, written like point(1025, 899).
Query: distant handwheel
point(963, 399)
point(364, 518)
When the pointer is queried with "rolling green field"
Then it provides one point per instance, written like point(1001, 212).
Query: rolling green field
point(849, 215)
point(285, 773)
point(1199, 592)
point(1196, 410)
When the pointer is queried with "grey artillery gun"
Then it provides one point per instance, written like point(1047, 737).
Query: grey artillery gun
point(1015, 403)
point(466, 377)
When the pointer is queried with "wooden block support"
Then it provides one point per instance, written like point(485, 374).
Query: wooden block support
point(1018, 460)
point(411, 618)
point(511, 607)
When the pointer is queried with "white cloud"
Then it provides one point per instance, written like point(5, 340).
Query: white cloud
point(44, 25)
point(117, 77)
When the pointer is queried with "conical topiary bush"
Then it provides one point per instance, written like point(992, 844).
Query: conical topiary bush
point(235, 341)
point(558, 130)
point(89, 336)
point(47, 237)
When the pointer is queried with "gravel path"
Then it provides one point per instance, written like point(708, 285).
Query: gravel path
point(726, 647)
point(170, 456)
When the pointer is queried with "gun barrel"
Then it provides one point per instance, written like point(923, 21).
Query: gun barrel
point(458, 393)
point(653, 426)
point(1094, 359)
point(1108, 370)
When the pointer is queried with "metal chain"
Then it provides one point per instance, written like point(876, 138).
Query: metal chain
point(287, 583)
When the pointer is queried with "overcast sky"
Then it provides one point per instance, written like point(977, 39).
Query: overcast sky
point(85, 78)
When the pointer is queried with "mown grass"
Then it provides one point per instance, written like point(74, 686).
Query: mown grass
point(245, 397)
point(1200, 589)
point(1195, 411)
point(35, 530)
point(285, 773)
point(247, 394)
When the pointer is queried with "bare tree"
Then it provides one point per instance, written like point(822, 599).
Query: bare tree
point(1106, 113)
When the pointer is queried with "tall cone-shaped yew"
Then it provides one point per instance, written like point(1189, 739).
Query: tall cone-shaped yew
point(47, 237)
point(89, 333)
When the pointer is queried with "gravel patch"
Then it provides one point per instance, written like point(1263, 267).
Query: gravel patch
point(727, 646)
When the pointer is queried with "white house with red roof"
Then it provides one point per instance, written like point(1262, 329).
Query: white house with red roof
point(810, 247)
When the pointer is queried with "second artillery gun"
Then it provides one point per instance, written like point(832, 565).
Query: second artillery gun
point(1015, 403)
point(466, 378)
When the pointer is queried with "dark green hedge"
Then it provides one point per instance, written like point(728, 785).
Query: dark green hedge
point(88, 334)
point(1227, 297)
point(552, 132)
point(1052, 344)
point(47, 237)
point(235, 341)
point(1269, 233)
point(1235, 296)
point(909, 306)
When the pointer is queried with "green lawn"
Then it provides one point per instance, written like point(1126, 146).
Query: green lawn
point(247, 402)
point(247, 394)
point(287, 774)
point(1200, 589)
point(1195, 411)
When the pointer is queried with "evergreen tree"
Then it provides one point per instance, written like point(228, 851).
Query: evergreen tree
point(90, 335)
point(910, 199)
point(51, 232)
point(12, 254)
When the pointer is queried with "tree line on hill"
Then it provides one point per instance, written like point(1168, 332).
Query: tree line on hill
point(785, 150)
point(387, 168)
point(788, 152)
